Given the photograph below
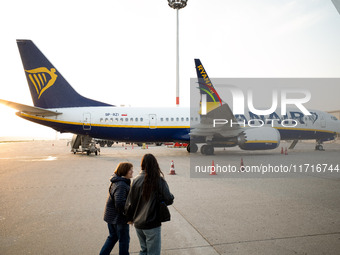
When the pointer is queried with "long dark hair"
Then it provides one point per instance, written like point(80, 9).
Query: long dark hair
point(153, 173)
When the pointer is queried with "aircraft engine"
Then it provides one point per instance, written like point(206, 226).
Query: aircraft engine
point(262, 138)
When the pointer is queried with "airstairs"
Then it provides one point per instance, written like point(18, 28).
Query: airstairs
point(81, 143)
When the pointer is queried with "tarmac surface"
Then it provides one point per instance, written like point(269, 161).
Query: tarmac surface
point(52, 201)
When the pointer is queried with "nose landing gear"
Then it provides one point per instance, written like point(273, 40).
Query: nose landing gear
point(319, 146)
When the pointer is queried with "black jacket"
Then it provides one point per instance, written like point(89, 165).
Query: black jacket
point(145, 214)
point(114, 208)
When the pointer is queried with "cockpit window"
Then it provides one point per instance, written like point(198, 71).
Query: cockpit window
point(334, 118)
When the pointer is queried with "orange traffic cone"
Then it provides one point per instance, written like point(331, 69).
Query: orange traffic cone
point(172, 168)
point(213, 170)
point(286, 151)
point(242, 166)
point(281, 150)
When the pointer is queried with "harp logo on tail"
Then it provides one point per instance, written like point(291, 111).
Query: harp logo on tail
point(42, 79)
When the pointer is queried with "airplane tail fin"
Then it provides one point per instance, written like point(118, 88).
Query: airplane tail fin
point(48, 87)
point(206, 88)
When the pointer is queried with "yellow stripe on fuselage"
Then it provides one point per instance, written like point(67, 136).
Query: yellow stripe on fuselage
point(304, 129)
point(147, 126)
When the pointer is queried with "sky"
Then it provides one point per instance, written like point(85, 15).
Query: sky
point(124, 52)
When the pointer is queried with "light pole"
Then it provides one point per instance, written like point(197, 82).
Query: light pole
point(177, 4)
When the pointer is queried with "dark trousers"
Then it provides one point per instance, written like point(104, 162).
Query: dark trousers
point(117, 232)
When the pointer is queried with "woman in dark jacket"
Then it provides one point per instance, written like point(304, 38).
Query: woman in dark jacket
point(114, 209)
point(142, 204)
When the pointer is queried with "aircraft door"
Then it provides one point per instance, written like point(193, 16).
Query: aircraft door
point(87, 121)
point(152, 121)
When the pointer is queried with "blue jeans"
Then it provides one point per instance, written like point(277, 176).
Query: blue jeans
point(117, 232)
point(150, 241)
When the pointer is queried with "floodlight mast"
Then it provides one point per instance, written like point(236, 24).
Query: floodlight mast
point(177, 4)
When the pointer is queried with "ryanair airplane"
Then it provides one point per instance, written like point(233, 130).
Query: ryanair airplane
point(220, 127)
point(59, 106)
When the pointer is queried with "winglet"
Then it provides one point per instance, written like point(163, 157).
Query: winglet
point(207, 88)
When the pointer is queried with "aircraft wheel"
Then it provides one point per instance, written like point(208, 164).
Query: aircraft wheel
point(207, 150)
point(88, 152)
point(192, 148)
point(319, 147)
point(203, 149)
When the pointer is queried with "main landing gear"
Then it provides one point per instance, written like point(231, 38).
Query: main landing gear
point(206, 149)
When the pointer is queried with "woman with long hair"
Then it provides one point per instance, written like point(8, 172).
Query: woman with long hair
point(142, 204)
point(114, 210)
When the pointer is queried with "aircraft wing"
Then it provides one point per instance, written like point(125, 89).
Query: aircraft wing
point(29, 109)
point(225, 123)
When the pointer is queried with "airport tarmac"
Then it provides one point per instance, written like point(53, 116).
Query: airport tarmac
point(52, 201)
